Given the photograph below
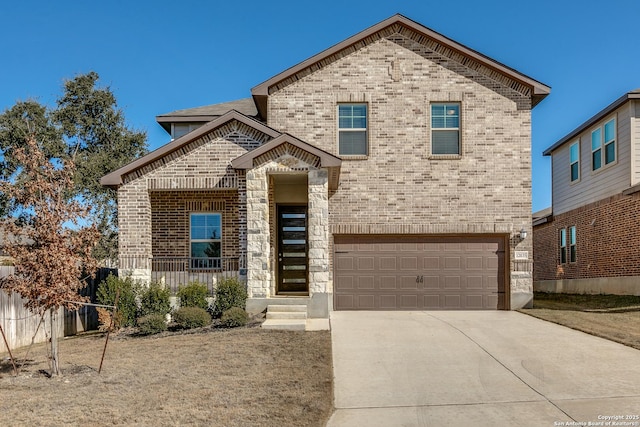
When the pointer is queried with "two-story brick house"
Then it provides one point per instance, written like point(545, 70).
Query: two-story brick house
point(588, 241)
point(391, 171)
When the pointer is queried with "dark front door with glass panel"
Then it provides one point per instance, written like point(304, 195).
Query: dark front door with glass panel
point(292, 250)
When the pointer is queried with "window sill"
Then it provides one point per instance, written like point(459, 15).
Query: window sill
point(354, 157)
point(444, 157)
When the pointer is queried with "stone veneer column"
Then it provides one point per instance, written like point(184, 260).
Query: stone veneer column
point(320, 289)
point(258, 248)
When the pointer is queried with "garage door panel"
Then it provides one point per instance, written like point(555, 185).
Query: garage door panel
point(419, 272)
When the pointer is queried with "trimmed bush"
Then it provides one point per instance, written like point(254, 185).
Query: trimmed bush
point(152, 324)
point(229, 293)
point(234, 317)
point(194, 295)
point(191, 317)
point(127, 306)
point(154, 299)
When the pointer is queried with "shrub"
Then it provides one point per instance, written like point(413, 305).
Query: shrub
point(154, 299)
point(229, 293)
point(152, 324)
point(193, 295)
point(191, 317)
point(234, 317)
point(127, 306)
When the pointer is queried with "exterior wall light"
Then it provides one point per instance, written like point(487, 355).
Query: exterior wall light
point(523, 233)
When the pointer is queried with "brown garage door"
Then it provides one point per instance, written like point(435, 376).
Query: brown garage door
point(419, 273)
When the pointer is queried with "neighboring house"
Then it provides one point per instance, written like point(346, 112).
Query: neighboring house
point(588, 242)
point(391, 171)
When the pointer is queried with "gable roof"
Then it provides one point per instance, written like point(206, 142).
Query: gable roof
point(114, 178)
point(260, 93)
point(327, 160)
point(634, 94)
point(207, 113)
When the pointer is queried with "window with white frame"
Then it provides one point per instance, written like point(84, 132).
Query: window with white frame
point(574, 153)
point(563, 246)
point(352, 129)
point(572, 244)
point(603, 145)
point(205, 231)
point(445, 128)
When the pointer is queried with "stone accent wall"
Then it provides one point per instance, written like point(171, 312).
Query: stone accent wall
point(399, 187)
point(318, 232)
point(607, 237)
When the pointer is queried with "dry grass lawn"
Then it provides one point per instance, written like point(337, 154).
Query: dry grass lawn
point(614, 317)
point(237, 377)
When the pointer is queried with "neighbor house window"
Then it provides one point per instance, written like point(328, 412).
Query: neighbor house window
point(352, 129)
point(572, 244)
point(206, 240)
point(445, 129)
point(575, 161)
point(603, 145)
point(563, 246)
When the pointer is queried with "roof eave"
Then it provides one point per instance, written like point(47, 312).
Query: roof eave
point(114, 179)
point(261, 91)
point(593, 120)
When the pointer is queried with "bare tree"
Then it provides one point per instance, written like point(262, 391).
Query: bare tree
point(52, 240)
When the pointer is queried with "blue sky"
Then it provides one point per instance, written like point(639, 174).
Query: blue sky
point(159, 56)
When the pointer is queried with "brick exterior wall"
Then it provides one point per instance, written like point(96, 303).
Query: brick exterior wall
point(399, 188)
point(154, 200)
point(170, 220)
point(486, 189)
point(607, 236)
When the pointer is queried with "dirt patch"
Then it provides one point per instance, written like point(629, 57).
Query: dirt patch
point(614, 317)
point(235, 377)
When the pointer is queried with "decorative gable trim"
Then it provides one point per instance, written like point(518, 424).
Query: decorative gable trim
point(401, 27)
point(232, 126)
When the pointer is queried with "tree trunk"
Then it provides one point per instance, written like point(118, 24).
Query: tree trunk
point(55, 370)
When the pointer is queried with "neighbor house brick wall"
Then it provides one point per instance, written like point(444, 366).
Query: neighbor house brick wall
point(399, 187)
point(607, 241)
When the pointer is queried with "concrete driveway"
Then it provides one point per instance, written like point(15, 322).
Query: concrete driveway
point(486, 368)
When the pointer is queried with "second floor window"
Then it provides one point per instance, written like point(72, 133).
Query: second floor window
point(575, 161)
point(445, 129)
point(352, 129)
point(603, 145)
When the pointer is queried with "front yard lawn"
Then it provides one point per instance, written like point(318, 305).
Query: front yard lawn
point(213, 377)
point(614, 317)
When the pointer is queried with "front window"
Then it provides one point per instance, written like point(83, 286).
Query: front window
point(445, 129)
point(352, 129)
point(603, 145)
point(206, 240)
point(563, 246)
point(575, 161)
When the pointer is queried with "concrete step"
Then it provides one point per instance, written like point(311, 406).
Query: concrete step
point(286, 315)
point(286, 324)
point(287, 308)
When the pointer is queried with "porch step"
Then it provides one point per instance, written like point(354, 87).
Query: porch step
point(290, 317)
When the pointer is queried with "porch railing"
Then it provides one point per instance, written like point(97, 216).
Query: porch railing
point(176, 271)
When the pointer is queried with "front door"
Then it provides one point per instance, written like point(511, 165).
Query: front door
point(293, 265)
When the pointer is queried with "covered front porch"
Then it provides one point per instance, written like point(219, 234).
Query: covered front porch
point(288, 183)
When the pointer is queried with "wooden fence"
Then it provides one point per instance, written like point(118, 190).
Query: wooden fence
point(20, 324)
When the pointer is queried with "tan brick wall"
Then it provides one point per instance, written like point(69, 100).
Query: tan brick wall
point(607, 236)
point(399, 187)
point(170, 220)
point(152, 201)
